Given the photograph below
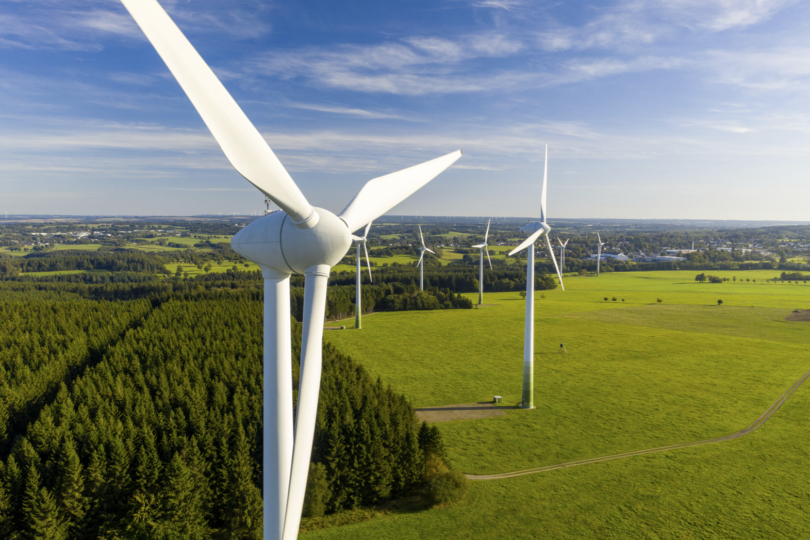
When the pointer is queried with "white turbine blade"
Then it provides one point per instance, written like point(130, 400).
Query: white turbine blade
point(357, 238)
point(479, 246)
point(529, 241)
point(490, 260)
point(566, 243)
point(600, 238)
point(365, 234)
point(241, 142)
point(560, 241)
point(554, 259)
point(486, 235)
point(426, 249)
point(420, 258)
point(543, 196)
point(368, 261)
point(381, 194)
point(309, 388)
point(422, 238)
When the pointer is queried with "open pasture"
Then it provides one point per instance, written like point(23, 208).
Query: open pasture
point(638, 374)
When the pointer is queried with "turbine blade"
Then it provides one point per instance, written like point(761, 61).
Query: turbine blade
point(479, 246)
point(381, 194)
point(529, 241)
point(490, 260)
point(543, 196)
point(420, 258)
point(309, 388)
point(239, 139)
point(368, 261)
point(426, 249)
point(365, 234)
point(554, 259)
point(486, 235)
point(599, 237)
point(560, 241)
point(422, 238)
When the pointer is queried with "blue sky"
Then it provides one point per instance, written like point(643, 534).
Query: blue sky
point(651, 109)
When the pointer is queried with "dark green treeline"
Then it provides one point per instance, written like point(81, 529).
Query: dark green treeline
point(161, 437)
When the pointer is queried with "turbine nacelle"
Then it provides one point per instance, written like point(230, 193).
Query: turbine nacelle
point(275, 242)
point(531, 228)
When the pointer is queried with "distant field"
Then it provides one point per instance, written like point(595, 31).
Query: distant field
point(192, 269)
point(637, 374)
point(57, 273)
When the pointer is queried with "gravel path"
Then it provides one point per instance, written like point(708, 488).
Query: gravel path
point(750, 429)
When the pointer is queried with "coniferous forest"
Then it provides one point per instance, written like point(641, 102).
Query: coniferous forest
point(141, 418)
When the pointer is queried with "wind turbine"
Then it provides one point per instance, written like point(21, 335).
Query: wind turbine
point(599, 253)
point(421, 263)
point(299, 239)
point(482, 248)
point(562, 253)
point(358, 309)
point(535, 230)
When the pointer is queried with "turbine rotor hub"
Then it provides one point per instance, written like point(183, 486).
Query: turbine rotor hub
point(274, 242)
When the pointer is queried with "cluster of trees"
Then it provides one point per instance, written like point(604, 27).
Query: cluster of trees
point(794, 276)
point(456, 278)
point(711, 279)
point(161, 437)
point(55, 261)
point(340, 299)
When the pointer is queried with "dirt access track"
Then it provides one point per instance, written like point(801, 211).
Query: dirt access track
point(461, 411)
point(799, 315)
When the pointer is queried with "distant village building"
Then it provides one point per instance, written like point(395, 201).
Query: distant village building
point(607, 256)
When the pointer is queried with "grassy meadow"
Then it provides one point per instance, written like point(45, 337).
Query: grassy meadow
point(637, 374)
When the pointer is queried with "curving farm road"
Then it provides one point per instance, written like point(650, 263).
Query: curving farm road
point(750, 429)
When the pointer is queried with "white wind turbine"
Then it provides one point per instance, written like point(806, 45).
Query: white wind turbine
point(483, 248)
point(535, 230)
point(300, 239)
point(358, 309)
point(599, 253)
point(421, 263)
point(562, 253)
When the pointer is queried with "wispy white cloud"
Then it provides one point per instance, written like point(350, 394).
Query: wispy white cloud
point(349, 111)
point(777, 68)
point(719, 15)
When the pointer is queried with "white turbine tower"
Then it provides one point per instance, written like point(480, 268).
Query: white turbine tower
point(483, 248)
point(358, 309)
point(562, 253)
point(421, 263)
point(599, 254)
point(535, 230)
point(300, 239)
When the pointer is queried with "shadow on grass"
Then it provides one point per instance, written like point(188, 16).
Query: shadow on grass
point(410, 504)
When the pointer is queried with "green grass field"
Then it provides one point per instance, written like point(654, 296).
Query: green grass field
point(638, 374)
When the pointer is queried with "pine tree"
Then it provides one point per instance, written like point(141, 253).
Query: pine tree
point(6, 521)
point(41, 513)
point(181, 505)
point(245, 503)
point(318, 493)
point(70, 487)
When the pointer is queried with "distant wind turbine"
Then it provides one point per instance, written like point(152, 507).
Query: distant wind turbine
point(535, 230)
point(562, 253)
point(483, 248)
point(599, 254)
point(301, 239)
point(421, 263)
point(358, 303)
